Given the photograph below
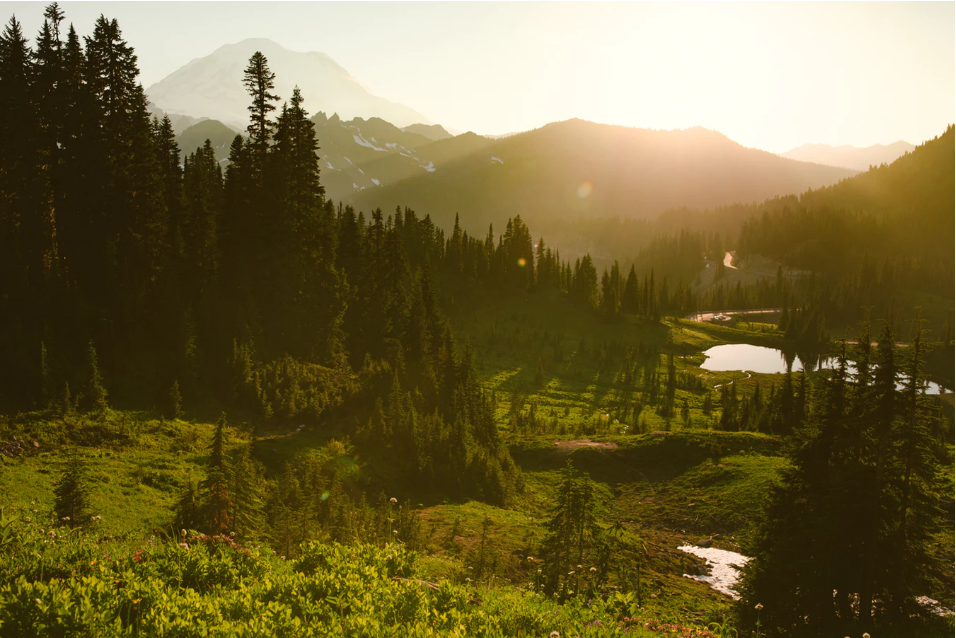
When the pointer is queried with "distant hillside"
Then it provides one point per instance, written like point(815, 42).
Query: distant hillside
point(360, 155)
point(215, 131)
point(850, 156)
point(434, 132)
point(904, 211)
point(211, 86)
point(919, 184)
point(581, 169)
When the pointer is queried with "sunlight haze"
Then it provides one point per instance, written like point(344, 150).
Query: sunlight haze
point(618, 320)
point(770, 76)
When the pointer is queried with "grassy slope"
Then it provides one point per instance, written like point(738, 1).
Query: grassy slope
point(665, 488)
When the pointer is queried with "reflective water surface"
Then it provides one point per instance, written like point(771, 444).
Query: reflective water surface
point(748, 358)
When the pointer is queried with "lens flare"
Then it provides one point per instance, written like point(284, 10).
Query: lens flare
point(522, 262)
point(584, 190)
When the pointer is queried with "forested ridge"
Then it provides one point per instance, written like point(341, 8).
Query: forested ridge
point(300, 418)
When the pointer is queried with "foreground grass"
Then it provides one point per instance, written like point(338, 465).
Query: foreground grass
point(677, 483)
point(58, 581)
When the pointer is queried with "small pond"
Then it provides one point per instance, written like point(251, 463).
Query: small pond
point(760, 359)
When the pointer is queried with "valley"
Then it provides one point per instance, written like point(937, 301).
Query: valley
point(283, 357)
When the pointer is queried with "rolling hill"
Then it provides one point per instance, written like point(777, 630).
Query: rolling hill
point(850, 156)
point(216, 132)
point(211, 86)
point(577, 169)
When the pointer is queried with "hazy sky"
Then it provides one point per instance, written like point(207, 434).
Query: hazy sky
point(770, 76)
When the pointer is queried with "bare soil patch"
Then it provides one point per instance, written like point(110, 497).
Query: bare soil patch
point(574, 444)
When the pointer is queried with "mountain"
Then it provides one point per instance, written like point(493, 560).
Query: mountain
point(850, 156)
point(211, 86)
point(577, 169)
point(372, 154)
point(216, 132)
point(434, 132)
point(901, 212)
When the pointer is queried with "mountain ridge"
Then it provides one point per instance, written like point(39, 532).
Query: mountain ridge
point(578, 168)
point(848, 156)
point(211, 86)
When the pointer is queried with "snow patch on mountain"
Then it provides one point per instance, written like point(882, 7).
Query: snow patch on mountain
point(361, 141)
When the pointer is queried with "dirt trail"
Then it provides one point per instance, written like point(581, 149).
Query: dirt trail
point(574, 444)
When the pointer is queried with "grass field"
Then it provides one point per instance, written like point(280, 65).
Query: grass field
point(559, 374)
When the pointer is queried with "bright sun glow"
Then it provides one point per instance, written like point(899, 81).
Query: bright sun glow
point(768, 75)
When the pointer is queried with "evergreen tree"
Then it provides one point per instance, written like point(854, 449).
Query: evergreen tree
point(189, 508)
point(175, 405)
point(259, 81)
point(246, 515)
point(573, 533)
point(217, 453)
point(97, 392)
point(71, 501)
point(630, 302)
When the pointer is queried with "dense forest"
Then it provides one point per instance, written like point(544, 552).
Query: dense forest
point(199, 318)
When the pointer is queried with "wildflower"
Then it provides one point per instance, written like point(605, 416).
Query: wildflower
point(65, 518)
point(554, 634)
point(182, 533)
point(530, 559)
point(52, 533)
point(393, 500)
point(758, 607)
point(866, 635)
point(539, 571)
point(26, 518)
point(34, 511)
point(467, 580)
point(232, 534)
point(571, 573)
point(594, 569)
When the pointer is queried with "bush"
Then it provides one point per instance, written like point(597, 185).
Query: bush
point(61, 583)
